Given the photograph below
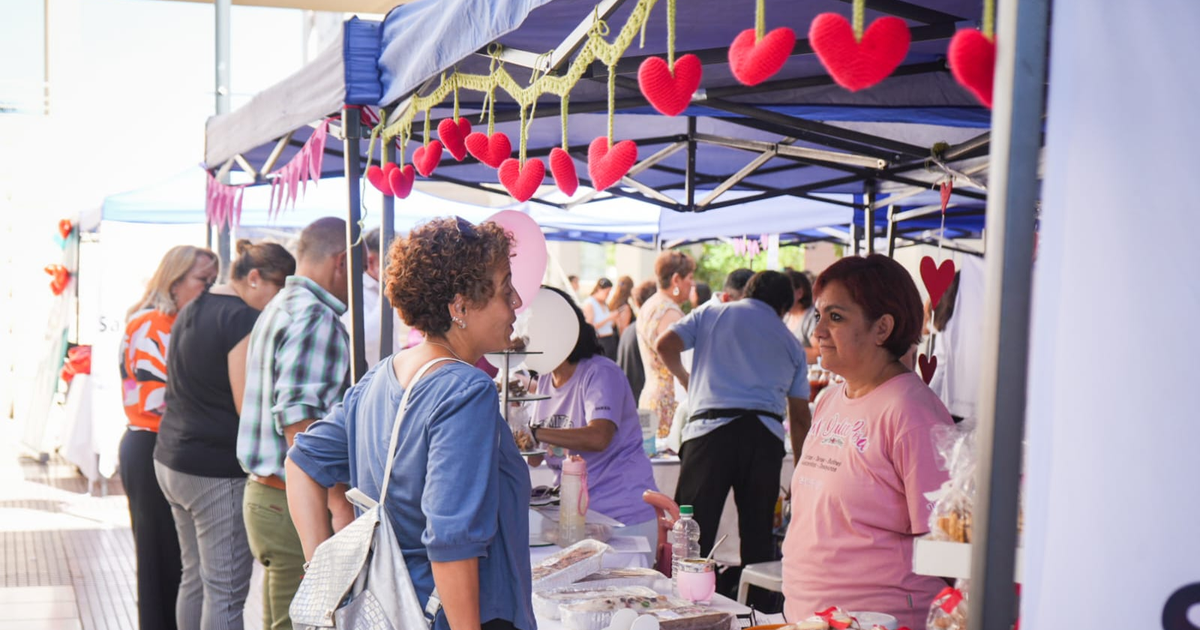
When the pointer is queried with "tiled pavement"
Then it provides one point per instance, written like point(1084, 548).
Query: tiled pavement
point(67, 554)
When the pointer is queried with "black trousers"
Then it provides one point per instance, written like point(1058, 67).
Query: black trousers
point(743, 456)
point(609, 344)
point(159, 564)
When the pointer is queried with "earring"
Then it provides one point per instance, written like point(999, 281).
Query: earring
point(461, 324)
point(253, 285)
point(675, 292)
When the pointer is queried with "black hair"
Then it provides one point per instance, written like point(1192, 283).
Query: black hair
point(703, 293)
point(587, 344)
point(774, 288)
point(801, 281)
point(737, 279)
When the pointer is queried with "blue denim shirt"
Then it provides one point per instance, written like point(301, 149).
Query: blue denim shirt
point(459, 487)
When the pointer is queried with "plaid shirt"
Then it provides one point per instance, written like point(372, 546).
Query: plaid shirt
point(297, 367)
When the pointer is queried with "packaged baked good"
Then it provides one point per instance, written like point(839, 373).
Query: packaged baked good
point(546, 603)
point(953, 505)
point(949, 609)
point(561, 569)
point(693, 617)
point(630, 576)
point(596, 614)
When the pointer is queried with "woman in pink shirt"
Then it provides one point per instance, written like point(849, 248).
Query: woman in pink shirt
point(858, 494)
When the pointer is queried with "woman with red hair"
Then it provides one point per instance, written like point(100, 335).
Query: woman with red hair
point(858, 494)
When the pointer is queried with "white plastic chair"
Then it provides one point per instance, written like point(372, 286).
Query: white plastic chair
point(768, 575)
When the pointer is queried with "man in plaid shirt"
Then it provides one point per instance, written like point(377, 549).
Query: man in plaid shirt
point(297, 367)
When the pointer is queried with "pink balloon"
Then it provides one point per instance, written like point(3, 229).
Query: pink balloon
point(529, 253)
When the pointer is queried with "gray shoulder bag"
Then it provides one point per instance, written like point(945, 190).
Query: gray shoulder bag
point(357, 580)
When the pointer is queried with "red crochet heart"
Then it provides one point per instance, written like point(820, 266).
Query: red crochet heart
point(607, 165)
point(454, 136)
point(65, 227)
point(491, 150)
point(670, 92)
point(522, 181)
point(59, 278)
point(946, 189)
point(853, 64)
point(400, 180)
point(379, 179)
point(753, 62)
point(972, 58)
point(563, 169)
point(937, 278)
point(927, 366)
point(426, 158)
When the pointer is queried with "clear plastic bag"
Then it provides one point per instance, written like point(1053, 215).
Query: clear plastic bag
point(577, 561)
point(954, 502)
point(546, 603)
point(949, 609)
point(597, 613)
point(628, 576)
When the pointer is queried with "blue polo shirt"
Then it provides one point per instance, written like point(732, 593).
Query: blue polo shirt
point(744, 358)
point(459, 487)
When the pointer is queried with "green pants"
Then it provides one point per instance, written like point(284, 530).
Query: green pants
point(275, 543)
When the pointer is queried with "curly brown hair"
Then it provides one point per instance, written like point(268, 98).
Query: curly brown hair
point(439, 260)
point(670, 263)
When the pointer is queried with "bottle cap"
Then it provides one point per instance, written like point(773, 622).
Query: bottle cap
point(574, 465)
point(686, 510)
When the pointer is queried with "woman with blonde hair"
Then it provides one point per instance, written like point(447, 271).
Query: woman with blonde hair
point(184, 274)
point(195, 459)
point(674, 271)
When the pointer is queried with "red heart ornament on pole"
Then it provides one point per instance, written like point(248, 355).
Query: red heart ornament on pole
point(670, 91)
point(854, 64)
point(607, 165)
point(563, 169)
point(454, 136)
point(972, 58)
point(379, 179)
point(927, 365)
point(522, 181)
point(65, 227)
point(401, 180)
point(491, 150)
point(754, 61)
point(426, 158)
point(937, 278)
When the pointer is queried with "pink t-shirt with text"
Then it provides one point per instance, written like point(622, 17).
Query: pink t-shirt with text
point(858, 500)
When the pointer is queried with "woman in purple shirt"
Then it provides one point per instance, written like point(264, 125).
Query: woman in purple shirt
point(592, 413)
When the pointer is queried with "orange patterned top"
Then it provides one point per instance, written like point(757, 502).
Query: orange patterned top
point(144, 367)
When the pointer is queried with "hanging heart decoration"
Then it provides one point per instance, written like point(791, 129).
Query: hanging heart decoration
point(937, 278)
point(563, 169)
point(454, 136)
point(522, 181)
point(426, 158)
point(400, 180)
point(59, 277)
point(670, 90)
point(854, 63)
point(491, 150)
point(379, 178)
point(947, 187)
point(927, 365)
point(607, 165)
point(753, 60)
point(65, 227)
point(972, 59)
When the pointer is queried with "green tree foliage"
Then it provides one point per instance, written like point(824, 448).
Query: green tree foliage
point(719, 259)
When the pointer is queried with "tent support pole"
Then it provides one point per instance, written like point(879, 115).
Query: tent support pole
point(869, 193)
point(1022, 29)
point(891, 231)
point(690, 183)
point(352, 126)
point(855, 243)
point(387, 233)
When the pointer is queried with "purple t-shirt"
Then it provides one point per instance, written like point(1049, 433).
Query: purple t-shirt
point(618, 475)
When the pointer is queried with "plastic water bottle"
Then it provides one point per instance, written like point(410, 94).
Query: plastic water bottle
point(685, 542)
point(573, 502)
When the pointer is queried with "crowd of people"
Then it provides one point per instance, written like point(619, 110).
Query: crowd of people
point(245, 431)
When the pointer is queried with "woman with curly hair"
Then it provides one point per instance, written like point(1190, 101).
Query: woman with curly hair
point(459, 490)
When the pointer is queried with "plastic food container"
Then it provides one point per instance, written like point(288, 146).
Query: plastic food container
point(648, 578)
point(695, 618)
point(577, 561)
point(869, 620)
point(546, 603)
point(596, 614)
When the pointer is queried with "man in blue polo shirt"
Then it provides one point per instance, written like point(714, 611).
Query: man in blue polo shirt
point(748, 373)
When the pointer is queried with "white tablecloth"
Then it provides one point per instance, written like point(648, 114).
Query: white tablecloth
point(666, 476)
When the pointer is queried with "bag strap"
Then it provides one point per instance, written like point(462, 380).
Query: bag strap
point(412, 384)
